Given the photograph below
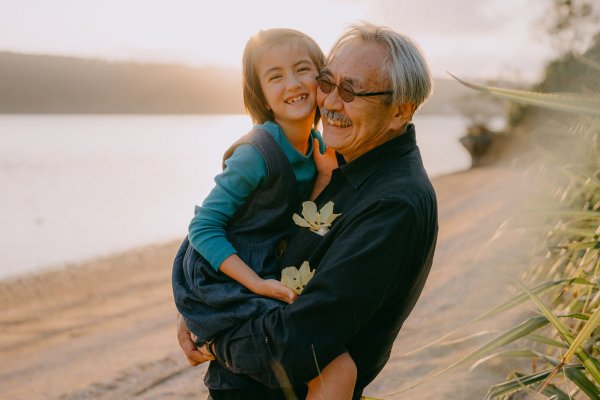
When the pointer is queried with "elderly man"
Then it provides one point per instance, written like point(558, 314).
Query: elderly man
point(372, 264)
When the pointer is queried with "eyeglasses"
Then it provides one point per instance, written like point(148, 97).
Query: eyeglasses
point(345, 91)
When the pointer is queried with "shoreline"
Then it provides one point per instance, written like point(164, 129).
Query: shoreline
point(65, 267)
point(105, 328)
point(68, 265)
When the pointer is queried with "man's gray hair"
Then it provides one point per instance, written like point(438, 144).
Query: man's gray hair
point(405, 65)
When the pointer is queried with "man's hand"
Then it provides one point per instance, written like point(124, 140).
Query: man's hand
point(194, 355)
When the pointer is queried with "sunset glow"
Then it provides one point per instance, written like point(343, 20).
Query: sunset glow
point(466, 37)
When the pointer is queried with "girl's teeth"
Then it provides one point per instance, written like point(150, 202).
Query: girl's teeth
point(295, 99)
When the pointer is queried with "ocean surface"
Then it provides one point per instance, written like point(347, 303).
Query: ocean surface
point(75, 187)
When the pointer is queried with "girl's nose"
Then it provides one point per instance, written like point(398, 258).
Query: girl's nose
point(293, 81)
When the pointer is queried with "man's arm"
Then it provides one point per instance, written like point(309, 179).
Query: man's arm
point(363, 266)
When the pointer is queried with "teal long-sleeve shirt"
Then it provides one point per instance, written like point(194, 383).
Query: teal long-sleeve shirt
point(244, 171)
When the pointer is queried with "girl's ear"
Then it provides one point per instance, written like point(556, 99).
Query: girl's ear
point(402, 115)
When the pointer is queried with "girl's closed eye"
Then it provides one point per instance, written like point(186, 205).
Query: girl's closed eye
point(304, 68)
point(274, 77)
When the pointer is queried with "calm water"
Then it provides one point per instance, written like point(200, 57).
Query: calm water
point(78, 187)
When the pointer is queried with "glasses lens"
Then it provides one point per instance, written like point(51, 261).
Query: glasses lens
point(325, 84)
point(346, 92)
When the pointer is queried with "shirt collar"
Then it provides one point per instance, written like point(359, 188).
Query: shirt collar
point(279, 135)
point(357, 171)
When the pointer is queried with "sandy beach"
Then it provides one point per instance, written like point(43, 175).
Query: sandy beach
point(106, 329)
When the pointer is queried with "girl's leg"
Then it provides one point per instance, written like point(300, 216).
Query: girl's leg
point(336, 382)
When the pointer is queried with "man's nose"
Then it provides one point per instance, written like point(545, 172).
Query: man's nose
point(332, 100)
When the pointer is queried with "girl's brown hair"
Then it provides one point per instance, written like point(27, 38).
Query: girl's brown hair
point(254, 99)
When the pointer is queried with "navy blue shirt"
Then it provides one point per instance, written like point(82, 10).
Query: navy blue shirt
point(371, 268)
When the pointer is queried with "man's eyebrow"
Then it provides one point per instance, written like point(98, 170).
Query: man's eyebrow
point(325, 71)
point(351, 81)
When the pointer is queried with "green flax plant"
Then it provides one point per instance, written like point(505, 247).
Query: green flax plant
point(562, 343)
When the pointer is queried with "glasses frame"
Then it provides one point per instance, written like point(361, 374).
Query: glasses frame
point(344, 88)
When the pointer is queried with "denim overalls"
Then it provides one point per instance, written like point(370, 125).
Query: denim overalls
point(210, 301)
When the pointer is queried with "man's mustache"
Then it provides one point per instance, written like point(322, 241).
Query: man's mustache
point(335, 116)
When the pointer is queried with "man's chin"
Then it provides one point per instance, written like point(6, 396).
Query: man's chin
point(331, 138)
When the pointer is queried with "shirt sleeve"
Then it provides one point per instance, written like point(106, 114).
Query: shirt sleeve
point(244, 171)
point(362, 268)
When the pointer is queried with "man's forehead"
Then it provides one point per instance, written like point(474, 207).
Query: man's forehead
point(348, 62)
point(341, 69)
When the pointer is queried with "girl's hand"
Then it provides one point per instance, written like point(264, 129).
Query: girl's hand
point(276, 290)
point(325, 164)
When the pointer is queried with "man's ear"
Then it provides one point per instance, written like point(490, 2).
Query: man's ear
point(402, 115)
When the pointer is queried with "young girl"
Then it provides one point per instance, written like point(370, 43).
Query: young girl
point(241, 228)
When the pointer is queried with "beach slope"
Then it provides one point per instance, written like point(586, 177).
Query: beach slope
point(106, 329)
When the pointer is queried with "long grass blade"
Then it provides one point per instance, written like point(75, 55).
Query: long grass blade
point(525, 328)
point(588, 105)
point(526, 353)
point(283, 380)
point(578, 377)
point(507, 305)
point(583, 245)
point(555, 393)
point(564, 332)
point(548, 341)
point(519, 383)
point(575, 231)
point(585, 332)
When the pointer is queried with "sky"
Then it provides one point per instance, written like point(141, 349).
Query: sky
point(469, 38)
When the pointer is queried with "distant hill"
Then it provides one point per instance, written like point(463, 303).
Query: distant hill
point(54, 84)
point(51, 84)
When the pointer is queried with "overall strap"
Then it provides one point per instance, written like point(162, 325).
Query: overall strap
point(276, 160)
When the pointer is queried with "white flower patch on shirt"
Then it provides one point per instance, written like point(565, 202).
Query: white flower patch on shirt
point(296, 279)
point(317, 221)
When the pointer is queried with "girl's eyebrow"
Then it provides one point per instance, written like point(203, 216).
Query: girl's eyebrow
point(270, 70)
point(303, 61)
point(276, 68)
